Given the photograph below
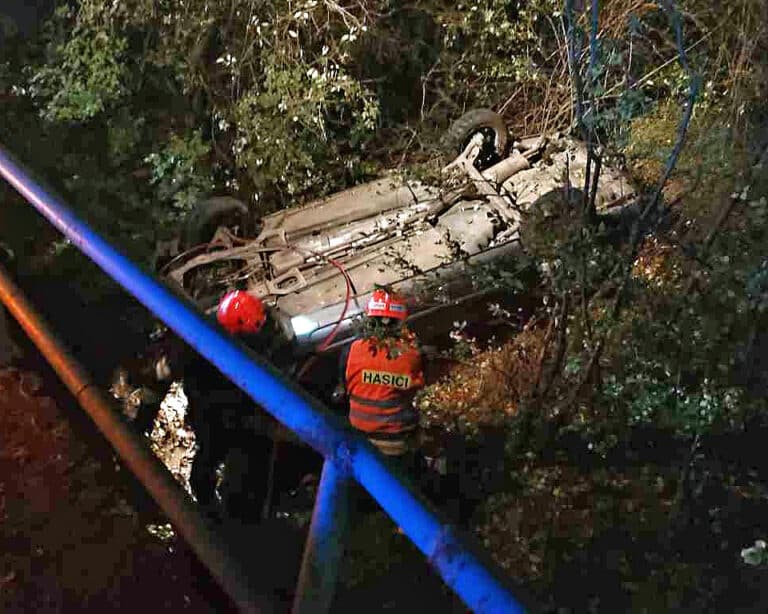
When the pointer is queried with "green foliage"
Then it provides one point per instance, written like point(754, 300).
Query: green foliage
point(285, 96)
point(567, 253)
point(390, 335)
point(491, 44)
point(242, 97)
point(84, 75)
point(272, 80)
point(648, 396)
point(290, 142)
point(642, 345)
point(710, 164)
point(757, 555)
point(464, 347)
point(177, 171)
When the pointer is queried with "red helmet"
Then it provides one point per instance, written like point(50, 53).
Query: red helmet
point(241, 313)
point(385, 305)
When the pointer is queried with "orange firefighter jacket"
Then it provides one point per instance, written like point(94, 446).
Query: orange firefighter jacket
point(381, 384)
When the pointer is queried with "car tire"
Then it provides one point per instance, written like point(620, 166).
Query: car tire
point(463, 129)
point(208, 216)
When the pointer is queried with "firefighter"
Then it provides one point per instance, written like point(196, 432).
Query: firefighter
point(228, 428)
point(230, 432)
point(381, 373)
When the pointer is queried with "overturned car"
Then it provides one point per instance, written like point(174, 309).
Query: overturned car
point(316, 265)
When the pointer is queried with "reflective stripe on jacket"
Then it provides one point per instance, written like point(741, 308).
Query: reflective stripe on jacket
point(381, 386)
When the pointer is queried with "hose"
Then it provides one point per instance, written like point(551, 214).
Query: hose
point(347, 299)
point(266, 509)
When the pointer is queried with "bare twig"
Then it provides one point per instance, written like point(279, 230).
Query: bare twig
point(682, 132)
point(585, 96)
point(424, 80)
point(584, 378)
point(554, 368)
point(693, 91)
point(611, 92)
point(725, 211)
point(677, 503)
point(591, 207)
point(595, 10)
point(722, 217)
point(573, 64)
point(593, 164)
point(584, 301)
point(509, 100)
point(407, 148)
point(587, 180)
point(543, 355)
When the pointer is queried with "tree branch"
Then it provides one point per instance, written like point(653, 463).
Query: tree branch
point(682, 130)
point(573, 64)
point(693, 92)
point(551, 372)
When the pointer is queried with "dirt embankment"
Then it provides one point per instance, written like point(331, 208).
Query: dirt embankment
point(72, 538)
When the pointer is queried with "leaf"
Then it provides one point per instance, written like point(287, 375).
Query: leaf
point(755, 555)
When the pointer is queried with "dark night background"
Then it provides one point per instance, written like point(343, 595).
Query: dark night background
point(22, 14)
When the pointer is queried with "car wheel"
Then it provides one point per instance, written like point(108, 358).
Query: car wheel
point(485, 121)
point(197, 230)
point(201, 225)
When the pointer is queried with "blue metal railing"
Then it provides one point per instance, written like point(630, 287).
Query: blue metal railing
point(479, 583)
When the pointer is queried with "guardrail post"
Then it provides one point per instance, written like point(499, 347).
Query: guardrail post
point(325, 542)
